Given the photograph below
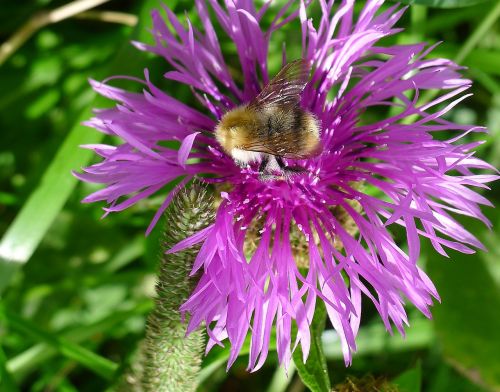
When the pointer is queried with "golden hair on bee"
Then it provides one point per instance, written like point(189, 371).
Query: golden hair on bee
point(273, 126)
point(235, 128)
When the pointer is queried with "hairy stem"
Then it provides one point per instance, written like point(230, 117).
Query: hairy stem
point(172, 359)
point(167, 360)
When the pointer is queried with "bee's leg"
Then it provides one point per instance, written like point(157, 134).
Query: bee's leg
point(263, 163)
point(288, 170)
point(266, 168)
point(240, 164)
point(281, 164)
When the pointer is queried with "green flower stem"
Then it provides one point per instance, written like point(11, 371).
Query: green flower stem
point(170, 360)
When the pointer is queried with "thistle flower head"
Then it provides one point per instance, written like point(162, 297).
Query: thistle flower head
point(334, 218)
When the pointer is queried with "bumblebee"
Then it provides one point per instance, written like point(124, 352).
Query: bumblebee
point(272, 126)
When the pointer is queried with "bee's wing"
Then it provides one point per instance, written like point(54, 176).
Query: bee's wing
point(285, 88)
point(280, 144)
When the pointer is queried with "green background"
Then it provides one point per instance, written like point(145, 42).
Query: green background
point(76, 289)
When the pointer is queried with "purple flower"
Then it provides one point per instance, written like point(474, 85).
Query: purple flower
point(334, 219)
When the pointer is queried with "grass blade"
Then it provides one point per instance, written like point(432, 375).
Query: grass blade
point(281, 379)
point(26, 362)
point(98, 364)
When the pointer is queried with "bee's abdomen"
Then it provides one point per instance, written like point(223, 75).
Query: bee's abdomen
point(304, 132)
point(305, 122)
point(291, 132)
point(311, 143)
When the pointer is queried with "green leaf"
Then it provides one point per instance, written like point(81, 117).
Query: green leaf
point(32, 222)
point(314, 373)
point(100, 365)
point(445, 3)
point(467, 321)
point(409, 381)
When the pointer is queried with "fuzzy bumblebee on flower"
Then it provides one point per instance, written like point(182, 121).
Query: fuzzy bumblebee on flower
point(308, 187)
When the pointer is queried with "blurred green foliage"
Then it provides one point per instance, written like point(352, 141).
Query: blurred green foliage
point(75, 312)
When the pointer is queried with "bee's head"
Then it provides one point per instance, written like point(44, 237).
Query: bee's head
point(233, 128)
